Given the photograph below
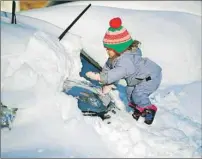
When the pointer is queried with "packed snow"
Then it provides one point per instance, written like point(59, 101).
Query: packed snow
point(49, 124)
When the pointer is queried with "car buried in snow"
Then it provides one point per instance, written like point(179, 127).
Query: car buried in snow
point(90, 102)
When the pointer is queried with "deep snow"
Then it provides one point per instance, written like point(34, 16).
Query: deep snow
point(49, 124)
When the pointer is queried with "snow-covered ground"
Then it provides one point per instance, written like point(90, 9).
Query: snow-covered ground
point(34, 65)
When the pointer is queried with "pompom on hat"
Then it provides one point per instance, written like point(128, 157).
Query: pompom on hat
point(117, 37)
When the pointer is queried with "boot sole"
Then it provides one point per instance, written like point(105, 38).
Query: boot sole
point(135, 117)
point(149, 122)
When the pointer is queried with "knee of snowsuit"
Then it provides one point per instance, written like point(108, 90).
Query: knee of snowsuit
point(129, 91)
point(141, 92)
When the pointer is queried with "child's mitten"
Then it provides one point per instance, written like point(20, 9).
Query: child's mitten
point(107, 88)
point(93, 76)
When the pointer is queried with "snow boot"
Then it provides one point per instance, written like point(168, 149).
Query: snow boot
point(149, 114)
point(136, 114)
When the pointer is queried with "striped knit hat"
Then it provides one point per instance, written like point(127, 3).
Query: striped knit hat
point(117, 37)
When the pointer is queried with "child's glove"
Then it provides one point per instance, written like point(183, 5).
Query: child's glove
point(107, 88)
point(93, 76)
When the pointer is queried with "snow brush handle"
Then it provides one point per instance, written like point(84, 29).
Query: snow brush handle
point(75, 20)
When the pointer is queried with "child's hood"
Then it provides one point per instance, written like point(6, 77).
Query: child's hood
point(128, 55)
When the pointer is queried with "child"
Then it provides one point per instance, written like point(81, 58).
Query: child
point(142, 75)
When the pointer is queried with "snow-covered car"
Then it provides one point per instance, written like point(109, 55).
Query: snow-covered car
point(35, 27)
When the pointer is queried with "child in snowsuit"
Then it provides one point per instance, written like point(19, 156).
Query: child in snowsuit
point(142, 75)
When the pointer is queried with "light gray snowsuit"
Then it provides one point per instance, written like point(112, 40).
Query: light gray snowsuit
point(142, 76)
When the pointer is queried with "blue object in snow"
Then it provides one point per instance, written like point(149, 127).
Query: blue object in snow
point(88, 101)
point(7, 116)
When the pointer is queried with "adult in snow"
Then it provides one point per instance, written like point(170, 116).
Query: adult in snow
point(125, 61)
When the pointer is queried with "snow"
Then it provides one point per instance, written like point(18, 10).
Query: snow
point(192, 7)
point(35, 83)
point(49, 124)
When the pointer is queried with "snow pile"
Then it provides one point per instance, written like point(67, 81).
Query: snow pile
point(192, 7)
point(32, 78)
point(38, 64)
point(168, 38)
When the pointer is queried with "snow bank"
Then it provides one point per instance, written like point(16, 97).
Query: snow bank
point(48, 122)
point(168, 38)
point(192, 7)
point(22, 57)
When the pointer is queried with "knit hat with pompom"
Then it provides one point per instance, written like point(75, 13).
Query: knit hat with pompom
point(117, 37)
